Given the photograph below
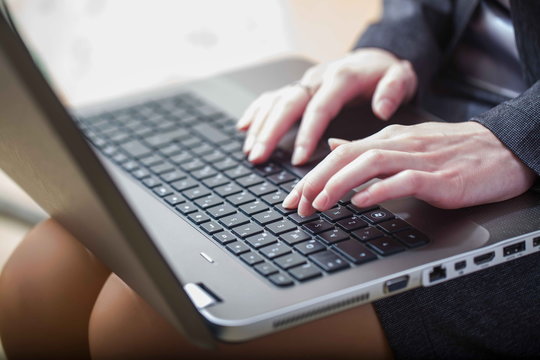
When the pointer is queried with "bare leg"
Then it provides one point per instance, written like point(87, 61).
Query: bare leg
point(123, 326)
point(49, 287)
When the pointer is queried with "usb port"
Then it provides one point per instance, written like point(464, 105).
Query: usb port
point(514, 249)
point(536, 241)
point(460, 265)
point(482, 259)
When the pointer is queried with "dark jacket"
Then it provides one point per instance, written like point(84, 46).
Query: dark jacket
point(425, 32)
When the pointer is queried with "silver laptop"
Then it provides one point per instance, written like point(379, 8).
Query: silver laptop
point(157, 187)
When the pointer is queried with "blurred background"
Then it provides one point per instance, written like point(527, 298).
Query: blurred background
point(99, 49)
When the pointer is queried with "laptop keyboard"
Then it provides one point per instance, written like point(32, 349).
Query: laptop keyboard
point(189, 155)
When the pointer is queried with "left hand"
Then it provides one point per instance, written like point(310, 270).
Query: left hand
point(449, 165)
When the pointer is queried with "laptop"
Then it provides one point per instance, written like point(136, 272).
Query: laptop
point(156, 186)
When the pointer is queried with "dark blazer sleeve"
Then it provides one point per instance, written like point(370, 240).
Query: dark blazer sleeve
point(517, 124)
point(414, 30)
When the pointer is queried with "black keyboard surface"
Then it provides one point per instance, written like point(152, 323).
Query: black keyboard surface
point(189, 155)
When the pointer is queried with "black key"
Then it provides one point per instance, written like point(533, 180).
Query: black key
point(162, 190)
point(241, 198)
point(289, 261)
point(173, 175)
point(151, 181)
point(346, 200)
point(305, 272)
point(214, 156)
point(333, 236)
point(250, 180)
point(262, 189)
point(275, 250)
point(237, 247)
point(281, 280)
point(181, 158)
point(337, 213)
point(251, 258)
point(186, 208)
point(234, 220)
point(260, 240)
point(216, 181)
point(367, 234)
point(266, 269)
point(355, 251)
point(202, 150)
point(237, 172)
point(299, 220)
point(267, 217)
point(231, 147)
point(211, 227)
point(119, 158)
point(386, 246)
point(254, 207)
point(225, 164)
point(166, 137)
point(357, 210)
point(130, 165)
point(281, 177)
point(329, 261)
point(191, 142)
point(209, 201)
point(352, 223)
point(152, 160)
point(184, 184)
point(196, 193)
point(290, 185)
point(140, 173)
point(268, 169)
point(229, 189)
point(162, 168)
point(378, 216)
point(247, 230)
point(412, 238)
point(274, 198)
point(295, 236)
point(280, 227)
point(198, 217)
point(175, 199)
point(210, 133)
point(192, 165)
point(224, 237)
point(135, 148)
point(318, 226)
point(310, 247)
point(204, 173)
point(171, 150)
point(394, 225)
point(220, 211)
point(282, 210)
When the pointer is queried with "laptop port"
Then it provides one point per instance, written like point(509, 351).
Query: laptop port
point(514, 249)
point(460, 265)
point(396, 284)
point(536, 241)
point(438, 273)
point(482, 259)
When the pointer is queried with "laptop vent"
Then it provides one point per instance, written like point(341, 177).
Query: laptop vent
point(320, 311)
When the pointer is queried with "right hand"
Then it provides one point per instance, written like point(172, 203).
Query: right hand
point(325, 90)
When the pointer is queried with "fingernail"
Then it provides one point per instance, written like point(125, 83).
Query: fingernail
point(299, 155)
point(248, 144)
point(291, 200)
point(241, 124)
point(385, 108)
point(257, 152)
point(321, 201)
point(360, 199)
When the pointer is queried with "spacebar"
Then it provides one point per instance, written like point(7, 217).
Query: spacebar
point(210, 133)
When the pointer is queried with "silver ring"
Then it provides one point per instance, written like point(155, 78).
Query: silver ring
point(310, 90)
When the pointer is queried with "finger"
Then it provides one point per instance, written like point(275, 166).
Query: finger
point(264, 108)
point(420, 184)
point(287, 110)
point(371, 164)
point(396, 86)
point(333, 143)
point(248, 116)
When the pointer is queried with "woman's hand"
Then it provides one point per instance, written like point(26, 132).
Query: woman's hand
point(320, 95)
point(449, 165)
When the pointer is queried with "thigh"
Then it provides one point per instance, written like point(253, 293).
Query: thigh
point(49, 287)
point(123, 325)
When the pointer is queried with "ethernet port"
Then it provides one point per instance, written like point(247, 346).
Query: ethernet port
point(438, 273)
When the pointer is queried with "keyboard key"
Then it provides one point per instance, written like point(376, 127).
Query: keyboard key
point(140, 173)
point(281, 177)
point(208, 201)
point(280, 227)
point(357, 210)
point(378, 216)
point(196, 193)
point(210, 133)
point(186, 208)
point(162, 168)
point(175, 199)
point(260, 240)
point(241, 198)
point(266, 269)
point(203, 149)
point(170, 150)
point(299, 220)
point(214, 156)
point(355, 251)
point(394, 225)
point(289, 261)
point(152, 160)
point(337, 213)
point(215, 181)
point(412, 238)
point(174, 175)
point(184, 184)
point(251, 258)
point(305, 272)
point(192, 165)
point(135, 148)
point(333, 236)
point(225, 164)
point(198, 217)
point(224, 237)
point(220, 211)
point(295, 236)
point(254, 207)
point(367, 234)
point(267, 217)
point(247, 230)
point(284, 211)
point(228, 189)
point(310, 247)
point(274, 198)
point(237, 172)
point(237, 247)
point(204, 173)
point(275, 250)
point(268, 169)
point(234, 220)
point(262, 189)
point(211, 227)
point(329, 261)
point(181, 158)
point(352, 223)
point(250, 180)
point(280, 279)
point(151, 181)
point(290, 185)
point(386, 246)
point(162, 190)
point(318, 226)
point(130, 165)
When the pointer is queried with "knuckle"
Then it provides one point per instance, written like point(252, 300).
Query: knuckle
point(374, 156)
point(396, 85)
point(343, 151)
point(392, 130)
